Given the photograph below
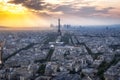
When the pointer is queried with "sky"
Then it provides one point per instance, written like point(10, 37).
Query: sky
point(42, 13)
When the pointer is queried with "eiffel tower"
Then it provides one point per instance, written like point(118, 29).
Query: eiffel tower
point(1, 52)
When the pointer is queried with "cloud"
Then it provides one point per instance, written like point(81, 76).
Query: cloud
point(67, 8)
point(31, 4)
point(72, 7)
point(17, 1)
point(90, 11)
point(84, 11)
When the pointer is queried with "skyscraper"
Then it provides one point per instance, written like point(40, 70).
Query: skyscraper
point(1, 52)
point(59, 27)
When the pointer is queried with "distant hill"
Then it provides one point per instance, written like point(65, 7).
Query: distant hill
point(3, 27)
point(23, 28)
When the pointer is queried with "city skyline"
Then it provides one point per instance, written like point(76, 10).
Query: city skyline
point(42, 13)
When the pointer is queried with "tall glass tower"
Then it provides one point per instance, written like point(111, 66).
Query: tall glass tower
point(1, 52)
point(59, 27)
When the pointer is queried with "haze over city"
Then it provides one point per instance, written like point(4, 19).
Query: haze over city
point(42, 13)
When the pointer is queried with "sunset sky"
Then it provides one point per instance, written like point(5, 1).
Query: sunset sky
point(42, 13)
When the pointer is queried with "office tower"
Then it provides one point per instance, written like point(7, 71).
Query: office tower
point(59, 27)
point(1, 52)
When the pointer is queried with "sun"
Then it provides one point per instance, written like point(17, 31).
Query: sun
point(16, 15)
point(11, 8)
point(5, 1)
point(16, 9)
